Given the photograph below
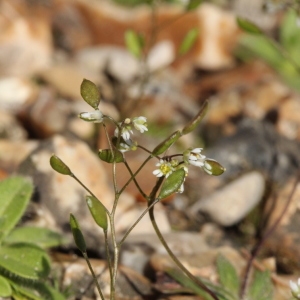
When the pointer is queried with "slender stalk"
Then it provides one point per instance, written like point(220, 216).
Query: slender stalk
point(136, 183)
point(108, 254)
point(88, 190)
point(93, 274)
point(259, 244)
point(164, 243)
point(137, 221)
point(134, 175)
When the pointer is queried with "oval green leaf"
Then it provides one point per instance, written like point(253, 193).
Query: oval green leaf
point(172, 183)
point(5, 288)
point(133, 43)
point(195, 122)
point(248, 26)
point(188, 41)
point(90, 93)
point(108, 156)
point(212, 167)
point(167, 143)
point(42, 237)
point(59, 166)
point(77, 234)
point(98, 211)
point(25, 260)
point(15, 195)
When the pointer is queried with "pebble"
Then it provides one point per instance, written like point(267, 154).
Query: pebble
point(230, 204)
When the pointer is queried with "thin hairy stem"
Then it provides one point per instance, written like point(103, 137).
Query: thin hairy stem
point(134, 180)
point(137, 221)
point(135, 174)
point(260, 242)
point(93, 275)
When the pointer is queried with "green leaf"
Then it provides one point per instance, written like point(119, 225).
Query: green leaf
point(227, 275)
point(134, 43)
point(98, 211)
point(193, 4)
point(290, 35)
point(77, 234)
point(5, 289)
point(15, 194)
point(59, 166)
point(188, 41)
point(172, 183)
point(248, 26)
point(108, 156)
point(25, 260)
point(166, 144)
point(261, 287)
point(195, 122)
point(188, 283)
point(212, 167)
point(35, 291)
point(90, 93)
point(41, 237)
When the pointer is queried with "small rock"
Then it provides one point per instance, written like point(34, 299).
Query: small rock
point(232, 203)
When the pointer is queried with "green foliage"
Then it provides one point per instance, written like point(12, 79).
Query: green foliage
point(228, 276)
point(134, 43)
point(59, 166)
point(193, 4)
point(90, 93)
point(172, 183)
point(24, 264)
point(283, 56)
point(188, 41)
point(97, 211)
point(77, 234)
point(108, 156)
point(248, 26)
point(166, 144)
point(261, 287)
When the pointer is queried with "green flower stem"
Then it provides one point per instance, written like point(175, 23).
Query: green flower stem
point(88, 190)
point(148, 151)
point(134, 175)
point(108, 254)
point(164, 243)
point(93, 274)
point(136, 183)
point(137, 221)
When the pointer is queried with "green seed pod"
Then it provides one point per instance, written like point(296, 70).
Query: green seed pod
point(167, 143)
point(107, 156)
point(212, 167)
point(59, 166)
point(90, 93)
point(77, 234)
point(98, 211)
point(195, 122)
point(172, 183)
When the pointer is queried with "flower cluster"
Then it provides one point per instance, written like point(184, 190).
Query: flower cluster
point(295, 288)
point(190, 157)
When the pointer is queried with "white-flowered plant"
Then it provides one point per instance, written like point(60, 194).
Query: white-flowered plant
point(171, 172)
point(295, 288)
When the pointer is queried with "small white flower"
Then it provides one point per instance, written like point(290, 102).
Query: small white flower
point(140, 124)
point(164, 169)
point(95, 116)
point(127, 145)
point(295, 288)
point(195, 158)
point(126, 131)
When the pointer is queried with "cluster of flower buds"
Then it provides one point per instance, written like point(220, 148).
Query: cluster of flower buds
point(167, 165)
point(193, 157)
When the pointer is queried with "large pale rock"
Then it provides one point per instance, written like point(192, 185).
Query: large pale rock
point(232, 203)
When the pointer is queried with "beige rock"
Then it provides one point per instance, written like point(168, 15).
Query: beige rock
point(25, 41)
